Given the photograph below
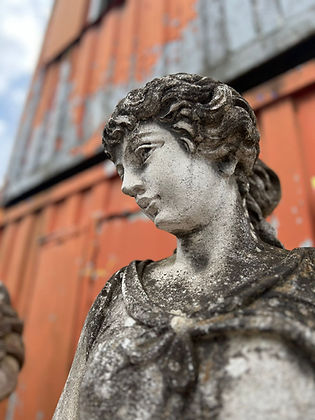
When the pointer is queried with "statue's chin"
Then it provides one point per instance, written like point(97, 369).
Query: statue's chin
point(165, 224)
point(173, 226)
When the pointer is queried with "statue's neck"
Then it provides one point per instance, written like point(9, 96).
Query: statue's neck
point(229, 236)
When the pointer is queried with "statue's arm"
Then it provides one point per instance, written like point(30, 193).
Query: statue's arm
point(68, 405)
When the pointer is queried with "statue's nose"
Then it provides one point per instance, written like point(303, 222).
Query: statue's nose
point(132, 184)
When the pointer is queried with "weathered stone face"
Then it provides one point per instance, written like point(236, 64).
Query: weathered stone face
point(208, 332)
point(210, 120)
point(177, 189)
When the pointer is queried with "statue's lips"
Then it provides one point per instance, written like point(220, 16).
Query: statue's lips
point(147, 204)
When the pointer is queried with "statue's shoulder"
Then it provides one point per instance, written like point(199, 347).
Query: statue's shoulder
point(273, 371)
point(100, 307)
point(305, 271)
point(303, 281)
point(106, 294)
point(298, 281)
point(307, 253)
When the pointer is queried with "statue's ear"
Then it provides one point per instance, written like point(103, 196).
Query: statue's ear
point(228, 165)
point(188, 145)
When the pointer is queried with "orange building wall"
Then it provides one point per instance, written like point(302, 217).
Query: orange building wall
point(58, 247)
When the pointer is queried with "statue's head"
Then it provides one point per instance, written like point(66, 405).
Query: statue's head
point(210, 123)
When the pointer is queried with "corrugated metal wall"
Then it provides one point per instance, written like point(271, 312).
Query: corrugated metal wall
point(88, 63)
point(58, 247)
point(56, 251)
point(285, 110)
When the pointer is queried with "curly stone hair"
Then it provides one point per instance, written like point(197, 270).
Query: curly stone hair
point(220, 123)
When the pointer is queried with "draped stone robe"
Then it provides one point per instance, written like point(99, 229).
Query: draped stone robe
point(249, 357)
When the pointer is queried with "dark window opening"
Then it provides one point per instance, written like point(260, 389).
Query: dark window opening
point(293, 57)
point(98, 8)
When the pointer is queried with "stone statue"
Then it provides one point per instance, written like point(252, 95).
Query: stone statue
point(224, 328)
point(11, 345)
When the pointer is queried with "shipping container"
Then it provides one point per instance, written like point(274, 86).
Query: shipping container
point(65, 227)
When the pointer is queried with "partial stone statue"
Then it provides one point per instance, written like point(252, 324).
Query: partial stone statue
point(224, 328)
point(11, 345)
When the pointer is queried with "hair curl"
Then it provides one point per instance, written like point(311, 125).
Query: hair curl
point(218, 120)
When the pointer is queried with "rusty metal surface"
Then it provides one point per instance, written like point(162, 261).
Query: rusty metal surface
point(135, 41)
point(59, 247)
point(67, 21)
point(285, 107)
point(55, 255)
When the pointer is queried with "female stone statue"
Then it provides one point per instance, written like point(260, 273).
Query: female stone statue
point(224, 327)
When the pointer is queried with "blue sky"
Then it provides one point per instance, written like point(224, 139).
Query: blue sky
point(22, 24)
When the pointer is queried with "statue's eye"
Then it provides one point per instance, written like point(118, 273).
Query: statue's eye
point(144, 151)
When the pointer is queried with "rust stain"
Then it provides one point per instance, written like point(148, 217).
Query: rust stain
point(178, 16)
point(38, 248)
point(66, 23)
point(153, 37)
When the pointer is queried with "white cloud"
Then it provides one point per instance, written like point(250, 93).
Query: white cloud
point(18, 96)
point(5, 149)
point(21, 30)
point(22, 24)
point(3, 127)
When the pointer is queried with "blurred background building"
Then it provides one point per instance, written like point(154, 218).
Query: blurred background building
point(65, 227)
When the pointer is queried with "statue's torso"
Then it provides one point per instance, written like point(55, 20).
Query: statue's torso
point(239, 377)
point(144, 369)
